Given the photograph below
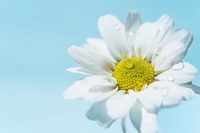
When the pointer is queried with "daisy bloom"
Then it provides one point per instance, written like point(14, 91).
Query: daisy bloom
point(135, 69)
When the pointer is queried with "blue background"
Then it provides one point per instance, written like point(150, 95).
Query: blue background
point(34, 37)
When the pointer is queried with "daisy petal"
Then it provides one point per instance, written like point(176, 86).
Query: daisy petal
point(170, 93)
point(132, 23)
point(80, 88)
point(150, 99)
point(97, 82)
point(120, 104)
point(195, 88)
point(123, 123)
point(100, 95)
point(165, 26)
point(76, 91)
point(182, 72)
point(91, 60)
point(78, 70)
point(112, 31)
point(181, 35)
point(102, 87)
point(165, 22)
point(98, 113)
point(142, 120)
point(176, 35)
point(144, 40)
point(173, 53)
point(101, 46)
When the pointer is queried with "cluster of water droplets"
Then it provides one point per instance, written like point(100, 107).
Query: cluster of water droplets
point(117, 28)
point(175, 67)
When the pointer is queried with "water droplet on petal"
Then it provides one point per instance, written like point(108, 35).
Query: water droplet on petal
point(117, 27)
point(123, 55)
point(129, 65)
point(149, 120)
point(178, 66)
point(164, 92)
point(92, 63)
point(158, 50)
point(171, 78)
point(131, 33)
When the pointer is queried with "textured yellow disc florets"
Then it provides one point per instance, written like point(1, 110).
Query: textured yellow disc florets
point(133, 73)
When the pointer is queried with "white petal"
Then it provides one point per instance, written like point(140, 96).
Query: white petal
point(101, 46)
point(78, 70)
point(97, 82)
point(132, 23)
point(181, 35)
point(195, 88)
point(182, 72)
point(113, 32)
point(102, 87)
point(171, 93)
point(165, 26)
point(142, 120)
point(144, 40)
point(165, 22)
point(120, 104)
point(91, 60)
point(175, 35)
point(123, 123)
point(80, 88)
point(77, 90)
point(150, 99)
point(96, 96)
point(98, 113)
point(171, 54)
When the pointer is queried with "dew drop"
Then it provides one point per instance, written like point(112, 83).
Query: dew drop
point(164, 92)
point(92, 63)
point(123, 55)
point(131, 33)
point(157, 51)
point(171, 78)
point(117, 27)
point(178, 66)
point(129, 65)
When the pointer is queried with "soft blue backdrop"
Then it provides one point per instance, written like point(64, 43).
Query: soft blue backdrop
point(34, 37)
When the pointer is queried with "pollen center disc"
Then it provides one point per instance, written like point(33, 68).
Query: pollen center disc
point(133, 73)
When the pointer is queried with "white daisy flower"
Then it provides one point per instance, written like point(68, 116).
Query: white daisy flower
point(136, 69)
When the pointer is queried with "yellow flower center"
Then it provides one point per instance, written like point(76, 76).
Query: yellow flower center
point(133, 73)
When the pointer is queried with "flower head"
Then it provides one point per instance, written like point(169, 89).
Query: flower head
point(136, 69)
